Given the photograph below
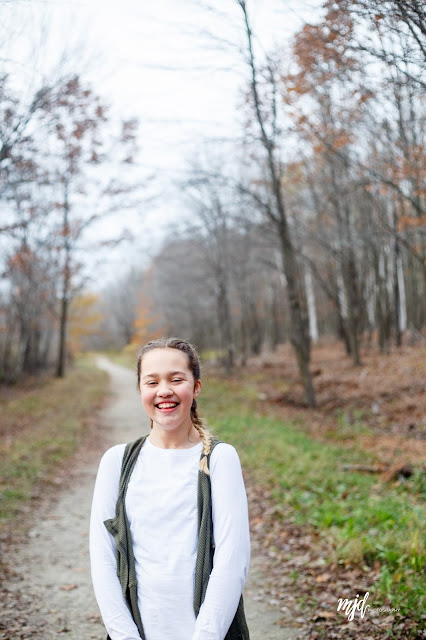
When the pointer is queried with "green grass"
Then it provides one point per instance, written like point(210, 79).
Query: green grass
point(365, 523)
point(50, 421)
point(350, 423)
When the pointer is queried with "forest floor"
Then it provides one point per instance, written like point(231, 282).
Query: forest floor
point(380, 405)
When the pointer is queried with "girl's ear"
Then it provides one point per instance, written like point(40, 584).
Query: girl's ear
point(197, 388)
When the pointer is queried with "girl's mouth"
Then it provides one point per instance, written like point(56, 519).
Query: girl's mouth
point(167, 407)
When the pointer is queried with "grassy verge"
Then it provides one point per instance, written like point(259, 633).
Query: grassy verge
point(45, 426)
point(368, 524)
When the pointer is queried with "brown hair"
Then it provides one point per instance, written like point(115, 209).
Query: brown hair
point(194, 366)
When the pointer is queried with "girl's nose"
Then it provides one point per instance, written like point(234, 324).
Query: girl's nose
point(164, 390)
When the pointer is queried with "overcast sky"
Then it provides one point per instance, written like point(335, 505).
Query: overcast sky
point(163, 62)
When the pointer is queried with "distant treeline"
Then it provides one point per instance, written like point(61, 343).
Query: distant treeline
point(311, 224)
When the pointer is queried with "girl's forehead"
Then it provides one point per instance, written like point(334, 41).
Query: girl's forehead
point(164, 358)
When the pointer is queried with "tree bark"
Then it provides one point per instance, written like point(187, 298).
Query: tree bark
point(66, 278)
point(225, 325)
point(312, 310)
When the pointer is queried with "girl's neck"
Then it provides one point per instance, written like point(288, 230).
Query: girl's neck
point(172, 440)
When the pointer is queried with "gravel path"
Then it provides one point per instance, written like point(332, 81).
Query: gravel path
point(53, 568)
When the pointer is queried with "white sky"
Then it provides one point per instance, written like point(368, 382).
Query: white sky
point(154, 61)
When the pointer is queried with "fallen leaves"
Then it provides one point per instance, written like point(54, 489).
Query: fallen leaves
point(325, 577)
point(390, 401)
point(292, 559)
point(68, 587)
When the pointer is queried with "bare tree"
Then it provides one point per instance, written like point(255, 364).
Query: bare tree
point(214, 233)
point(277, 214)
point(120, 305)
point(75, 117)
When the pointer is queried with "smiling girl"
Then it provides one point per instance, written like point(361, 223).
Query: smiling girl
point(169, 534)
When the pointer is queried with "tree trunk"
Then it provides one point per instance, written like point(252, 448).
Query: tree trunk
point(348, 268)
point(299, 332)
point(353, 306)
point(275, 320)
point(6, 358)
point(312, 310)
point(401, 295)
point(255, 335)
point(60, 370)
point(298, 320)
point(244, 345)
point(225, 325)
point(396, 292)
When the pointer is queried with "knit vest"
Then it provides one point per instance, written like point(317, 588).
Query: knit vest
point(119, 528)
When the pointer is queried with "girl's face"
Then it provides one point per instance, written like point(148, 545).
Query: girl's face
point(168, 388)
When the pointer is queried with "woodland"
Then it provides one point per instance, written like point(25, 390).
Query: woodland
point(297, 269)
point(316, 228)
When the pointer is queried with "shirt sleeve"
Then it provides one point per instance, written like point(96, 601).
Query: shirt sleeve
point(232, 551)
point(116, 616)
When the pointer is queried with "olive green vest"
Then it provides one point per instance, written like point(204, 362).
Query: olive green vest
point(119, 528)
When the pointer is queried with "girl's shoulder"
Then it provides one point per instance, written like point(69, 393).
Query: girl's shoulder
point(222, 446)
point(224, 453)
point(113, 455)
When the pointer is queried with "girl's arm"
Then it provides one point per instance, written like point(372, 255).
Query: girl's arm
point(232, 539)
point(117, 618)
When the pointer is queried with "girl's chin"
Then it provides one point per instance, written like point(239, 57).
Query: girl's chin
point(170, 425)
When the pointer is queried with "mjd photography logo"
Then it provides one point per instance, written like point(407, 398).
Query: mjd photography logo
point(350, 607)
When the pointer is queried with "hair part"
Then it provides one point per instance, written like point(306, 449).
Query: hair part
point(194, 366)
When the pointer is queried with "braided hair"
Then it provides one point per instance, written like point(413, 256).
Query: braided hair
point(194, 366)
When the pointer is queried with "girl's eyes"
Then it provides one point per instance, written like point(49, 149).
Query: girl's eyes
point(174, 380)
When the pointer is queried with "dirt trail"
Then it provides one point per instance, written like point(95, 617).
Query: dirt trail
point(53, 568)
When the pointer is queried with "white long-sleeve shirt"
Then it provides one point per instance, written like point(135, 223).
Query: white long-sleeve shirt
point(161, 505)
